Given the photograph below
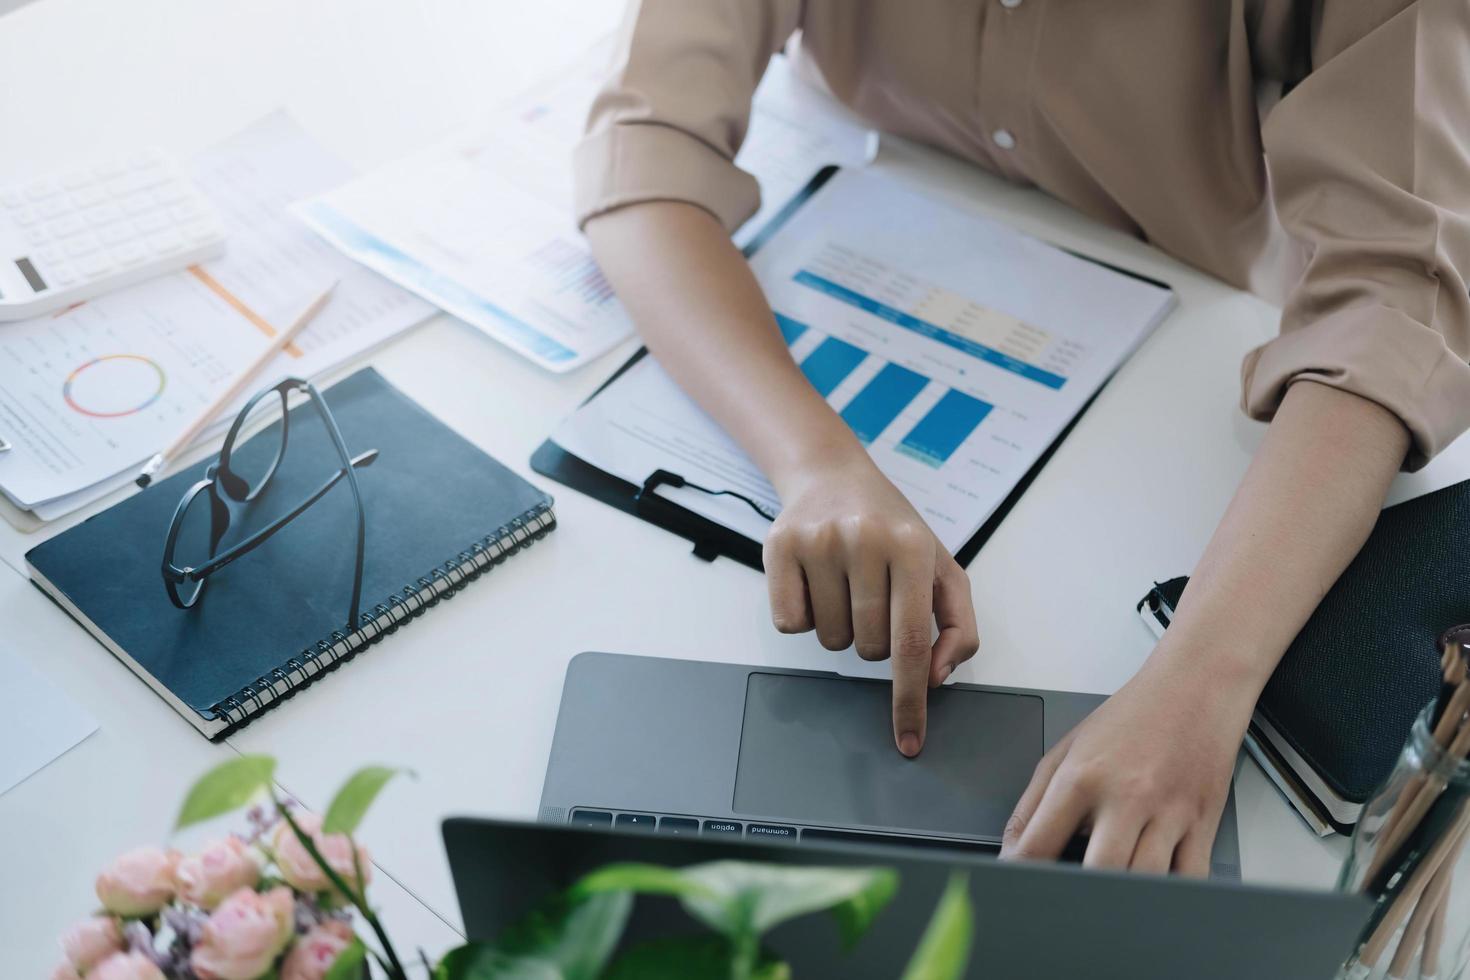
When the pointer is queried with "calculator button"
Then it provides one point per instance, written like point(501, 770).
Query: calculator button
point(110, 168)
point(592, 818)
point(24, 217)
point(94, 264)
point(137, 204)
point(61, 274)
point(200, 231)
point(635, 821)
point(49, 254)
point(82, 245)
point(113, 234)
point(39, 190)
point(172, 193)
point(151, 177)
point(165, 242)
point(11, 198)
point(151, 222)
point(35, 236)
point(678, 826)
point(85, 197)
point(75, 179)
point(103, 214)
point(122, 186)
point(66, 225)
point(128, 253)
point(183, 212)
point(51, 207)
point(144, 161)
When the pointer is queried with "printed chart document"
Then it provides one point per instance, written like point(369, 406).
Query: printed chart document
point(955, 348)
point(481, 224)
point(88, 394)
point(38, 722)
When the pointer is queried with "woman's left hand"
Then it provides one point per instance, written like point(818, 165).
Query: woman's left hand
point(1147, 773)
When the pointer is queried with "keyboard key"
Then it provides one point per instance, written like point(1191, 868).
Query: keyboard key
point(885, 840)
point(82, 245)
point(115, 234)
point(770, 830)
point(94, 264)
point(678, 826)
point(64, 226)
point(165, 242)
point(128, 253)
point(635, 821)
point(103, 214)
point(151, 222)
point(592, 818)
point(725, 828)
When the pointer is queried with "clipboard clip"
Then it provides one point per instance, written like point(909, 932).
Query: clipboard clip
point(651, 507)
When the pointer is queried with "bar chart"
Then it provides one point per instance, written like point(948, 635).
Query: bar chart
point(884, 397)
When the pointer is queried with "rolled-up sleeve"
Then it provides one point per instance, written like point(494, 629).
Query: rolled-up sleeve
point(674, 112)
point(1369, 158)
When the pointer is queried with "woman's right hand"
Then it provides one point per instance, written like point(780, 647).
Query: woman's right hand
point(851, 558)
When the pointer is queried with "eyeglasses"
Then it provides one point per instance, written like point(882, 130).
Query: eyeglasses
point(239, 476)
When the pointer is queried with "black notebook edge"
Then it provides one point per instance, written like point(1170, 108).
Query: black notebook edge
point(712, 539)
point(300, 671)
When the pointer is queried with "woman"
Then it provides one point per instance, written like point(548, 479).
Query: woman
point(1146, 115)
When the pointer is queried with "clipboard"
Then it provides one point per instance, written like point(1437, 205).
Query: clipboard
point(712, 540)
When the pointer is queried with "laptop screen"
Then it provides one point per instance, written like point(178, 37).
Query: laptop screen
point(820, 750)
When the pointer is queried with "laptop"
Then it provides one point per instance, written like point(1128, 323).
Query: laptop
point(1030, 919)
point(691, 748)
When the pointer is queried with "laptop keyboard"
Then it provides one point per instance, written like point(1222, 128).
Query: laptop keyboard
point(651, 823)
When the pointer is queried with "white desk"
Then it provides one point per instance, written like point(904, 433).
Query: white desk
point(467, 695)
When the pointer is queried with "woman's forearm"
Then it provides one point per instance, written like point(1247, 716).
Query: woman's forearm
point(1305, 507)
point(703, 315)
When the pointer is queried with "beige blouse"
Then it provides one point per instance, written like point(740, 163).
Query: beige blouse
point(1354, 189)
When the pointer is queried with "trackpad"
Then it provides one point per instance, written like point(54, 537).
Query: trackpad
point(820, 750)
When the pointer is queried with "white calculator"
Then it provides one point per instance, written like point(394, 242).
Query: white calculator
point(71, 237)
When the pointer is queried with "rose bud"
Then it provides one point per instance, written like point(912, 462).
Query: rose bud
point(138, 883)
point(243, 937)
point(126, 966)
point(315, 952)
point(302, 872)
point(220, 870)
point(91, 941)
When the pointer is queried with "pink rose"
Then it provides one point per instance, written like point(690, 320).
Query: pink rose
point(315, 952)
point(302, 873)
point(139, 883)
point(221, 869)
point(65, 972)
point(126, 966)
point(91, 940)
point(244, 935)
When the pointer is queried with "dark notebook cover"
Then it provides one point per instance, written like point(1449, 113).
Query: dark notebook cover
point(439, 511)
point(1368, 660)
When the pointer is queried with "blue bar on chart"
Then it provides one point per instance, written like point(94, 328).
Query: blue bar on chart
point(832, 361)
point(790, 329)
point(948, 424)
point(926, 329)
point(881, 400)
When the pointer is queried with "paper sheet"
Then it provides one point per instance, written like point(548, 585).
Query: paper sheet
point(955, 348)
point(90, 393)
point(481, 225)
point(38, 722)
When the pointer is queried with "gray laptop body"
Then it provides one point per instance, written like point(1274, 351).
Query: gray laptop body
point(692, 748)
point(1030, 920)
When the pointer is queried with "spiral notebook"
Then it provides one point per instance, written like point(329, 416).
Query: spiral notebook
point(440, 513)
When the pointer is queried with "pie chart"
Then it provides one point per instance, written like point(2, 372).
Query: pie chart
point(113, 386)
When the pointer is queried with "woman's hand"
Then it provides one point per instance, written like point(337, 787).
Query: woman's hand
point(1147, 773)
point(851, 558)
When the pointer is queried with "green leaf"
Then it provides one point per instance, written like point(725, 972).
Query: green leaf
point(944, 949)
point(226, 787)
point(576, 935)
point(684, 958)
point(352, 801)
point(855, 915)
point(349, 962)
point(642, 879)
point(746, 898)
point(481, 961)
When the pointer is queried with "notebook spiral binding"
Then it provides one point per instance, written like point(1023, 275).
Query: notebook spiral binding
point(409, 602)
